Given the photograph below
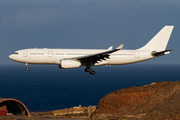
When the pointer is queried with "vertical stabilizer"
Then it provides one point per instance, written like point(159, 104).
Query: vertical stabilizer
point(160, 40)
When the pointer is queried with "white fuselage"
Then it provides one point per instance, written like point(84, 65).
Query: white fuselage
point(54, 56)
point(74, 58)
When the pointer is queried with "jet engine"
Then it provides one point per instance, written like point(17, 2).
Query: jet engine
point(69, 64)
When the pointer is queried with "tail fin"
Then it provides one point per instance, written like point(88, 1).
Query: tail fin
point(160, 40)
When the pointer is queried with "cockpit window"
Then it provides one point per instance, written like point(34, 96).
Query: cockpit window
point(15, 53)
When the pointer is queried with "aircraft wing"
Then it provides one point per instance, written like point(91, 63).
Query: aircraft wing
point(94, 58)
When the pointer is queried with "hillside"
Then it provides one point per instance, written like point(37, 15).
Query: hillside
point(154, 101)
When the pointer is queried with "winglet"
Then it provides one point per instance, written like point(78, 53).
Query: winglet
point(110, 48)
point(120, 47)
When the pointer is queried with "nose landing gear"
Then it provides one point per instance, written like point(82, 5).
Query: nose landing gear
point(27, 68)
point(88, 69)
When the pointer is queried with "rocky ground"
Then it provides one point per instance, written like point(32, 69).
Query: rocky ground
point(157, 101)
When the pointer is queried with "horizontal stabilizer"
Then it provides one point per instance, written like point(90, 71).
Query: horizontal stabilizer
point(157, 54)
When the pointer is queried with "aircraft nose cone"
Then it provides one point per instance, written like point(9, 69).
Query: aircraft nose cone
point(11, 56)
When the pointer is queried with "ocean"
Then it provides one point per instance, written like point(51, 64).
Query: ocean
point(46, 87)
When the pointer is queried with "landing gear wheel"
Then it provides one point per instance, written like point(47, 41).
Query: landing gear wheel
point(87, 69)
point(92, 72)
point(27, 68)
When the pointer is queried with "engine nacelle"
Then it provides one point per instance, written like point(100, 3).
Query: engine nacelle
point(69, 64)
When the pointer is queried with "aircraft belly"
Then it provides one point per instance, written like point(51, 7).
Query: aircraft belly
point(127, 60)
point(40, 60)
point(120, 60)
point(36, 60)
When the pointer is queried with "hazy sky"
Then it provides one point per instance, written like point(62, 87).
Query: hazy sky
point(88, 24)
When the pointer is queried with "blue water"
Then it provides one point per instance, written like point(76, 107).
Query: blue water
point(46, 87)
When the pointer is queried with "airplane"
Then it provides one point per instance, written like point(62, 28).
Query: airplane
point(75, 58)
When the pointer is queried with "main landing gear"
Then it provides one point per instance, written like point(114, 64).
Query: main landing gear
point(27, 68)
point(88, 69)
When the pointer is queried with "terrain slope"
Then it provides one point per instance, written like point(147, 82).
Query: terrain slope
point(154, 101)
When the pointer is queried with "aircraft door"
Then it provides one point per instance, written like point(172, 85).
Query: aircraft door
point(25, 53)
point(49, 53)
point(136, 54)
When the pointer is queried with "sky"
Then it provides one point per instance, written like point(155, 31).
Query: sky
point(91, 24)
